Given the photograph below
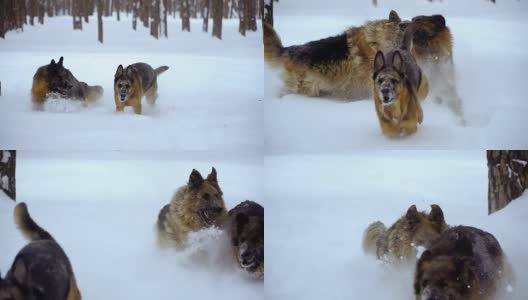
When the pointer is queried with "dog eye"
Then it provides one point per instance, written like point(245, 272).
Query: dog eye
point(380, 81)
point(425, 283)
point(394, 81)
point(206, 196)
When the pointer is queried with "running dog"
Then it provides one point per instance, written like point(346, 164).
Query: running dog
point(134, 82)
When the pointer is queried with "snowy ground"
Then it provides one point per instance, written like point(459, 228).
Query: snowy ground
point(489, 43)
point(319, 206)
point(102, 208)
point(209, 99)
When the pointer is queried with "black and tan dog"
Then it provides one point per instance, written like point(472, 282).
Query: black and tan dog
point(197, 205)
point(55, 80)
point(134, 82)
point(245, 226)
point(432, 46)
point(41, 270)
point(464, 263)
point(338, 66)
point(399, 87)
point(398, 244)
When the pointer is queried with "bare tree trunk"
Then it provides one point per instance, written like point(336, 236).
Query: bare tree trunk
point(251, 15)
point(165, 12)
point(217, 18)
point(117, 4)
point(8, 172)
point(268, 12)
point(100, 20)
point(156, 20)
point(507, 175)
point(135, 6)
point(207, 8)
point(185, 15)
point(242, 16)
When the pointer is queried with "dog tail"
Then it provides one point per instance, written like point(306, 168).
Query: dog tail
point(160, 70)
point(370, 238)
point(31, 230)
point(272, 46)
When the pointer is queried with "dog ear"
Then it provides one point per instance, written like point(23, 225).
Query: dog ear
point(439, 20)
point(195, 179)
point(119, 71)
point(412, 214)
point(61, 59)
point(394, 17)
point(212, 176)
point(241, 219)
point(20, 271)
point(397, 61)
point(379, 62)
point(436, 215)
point(52, 63)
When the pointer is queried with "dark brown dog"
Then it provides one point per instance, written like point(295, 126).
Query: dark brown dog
point(41, 270)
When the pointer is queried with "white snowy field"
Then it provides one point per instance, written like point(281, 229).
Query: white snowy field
point(209, 99)
point(319, 206)
point(490, 62)
point(102, 209)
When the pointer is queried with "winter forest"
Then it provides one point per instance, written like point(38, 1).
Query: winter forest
point(152, 14)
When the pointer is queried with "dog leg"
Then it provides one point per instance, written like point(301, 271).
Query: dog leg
point(152, 94)
point(120, 107)
point(137, 109)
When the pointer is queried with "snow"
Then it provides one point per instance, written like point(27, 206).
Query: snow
point(102, 208)
point(318, 207)
point(209, 100)
point(489, 61)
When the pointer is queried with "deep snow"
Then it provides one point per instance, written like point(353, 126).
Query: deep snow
point(489, 60)
point(209, 99)
point(102, 208)
point(319, 206)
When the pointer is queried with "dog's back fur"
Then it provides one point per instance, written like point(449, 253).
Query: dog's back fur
point(465, 263)
point(41, 270)
point(397, 244)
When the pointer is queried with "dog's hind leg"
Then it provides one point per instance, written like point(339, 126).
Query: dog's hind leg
point(152, 94)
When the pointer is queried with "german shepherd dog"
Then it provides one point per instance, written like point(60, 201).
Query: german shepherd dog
point(134, 82)
point(246, 231)
point(398, 244)
point(464, 263)
point(41, 270)
point(197, 205)
point(54, 79)
point(432, 46)
point(338, 66)
point(399, 87)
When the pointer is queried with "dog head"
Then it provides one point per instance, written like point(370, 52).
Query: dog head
point(388, 77)
point(427, 28)
point(447, 277)
point(60, 79)
point(247, 236)
point(17, 284)
point(425, 228)
point(208, 203)
point(125, 82)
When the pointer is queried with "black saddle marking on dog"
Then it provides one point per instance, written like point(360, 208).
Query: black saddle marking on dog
point(324, 51)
